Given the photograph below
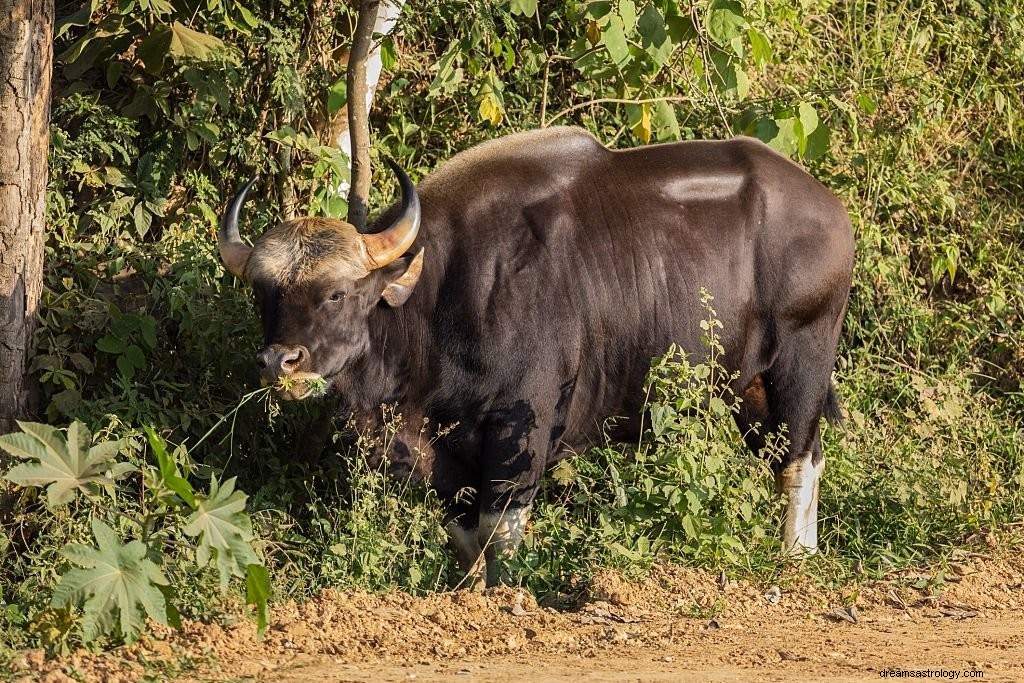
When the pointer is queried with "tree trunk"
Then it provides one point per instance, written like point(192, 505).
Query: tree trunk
point(358, 117)
point(26, 56)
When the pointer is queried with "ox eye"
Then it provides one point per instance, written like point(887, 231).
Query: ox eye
point(336, 297)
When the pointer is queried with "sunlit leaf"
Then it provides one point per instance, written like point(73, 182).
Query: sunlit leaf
point(117, 586)
point(725, 21)
point(666, 126)
point(492, 104)
point(79, 18)
point(614, 39)
point(525, 7)
point(193, 44)
point(63, 466)
point(224, 530)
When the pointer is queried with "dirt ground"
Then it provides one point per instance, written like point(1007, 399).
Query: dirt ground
point(676, 625)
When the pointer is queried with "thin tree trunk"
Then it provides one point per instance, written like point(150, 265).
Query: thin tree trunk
point(26, 54)
point(358, 117)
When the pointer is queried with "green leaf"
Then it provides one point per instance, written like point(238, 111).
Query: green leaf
point(117, 586)
point(79, 18)
point(787, 136)
point(135, 356)
point(224, 530)
point(725, 21)
point(194, 45)
point(613, 36)
point(525, 7)
point(125, 367)
point(808, 117)
point(666, 126)
point(627, 10)
point(639, 117)
point(64, 467)
point(247, 16)
point(681, 29)
point(760, 48)
point(257, 593)
point(818, 143)
point(169, 472)
point(653, 34)
point(143, 219)
point(154, 48)
point(729, 75)
point(689, 527)
point(337, 96)
point(388, 53)
point(449, 73)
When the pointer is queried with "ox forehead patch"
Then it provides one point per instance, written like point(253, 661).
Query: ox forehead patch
point(305, 249)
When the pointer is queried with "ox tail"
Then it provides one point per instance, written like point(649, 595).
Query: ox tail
point(833, 411)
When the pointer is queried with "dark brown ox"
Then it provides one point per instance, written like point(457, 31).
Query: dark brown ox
point(516, 301)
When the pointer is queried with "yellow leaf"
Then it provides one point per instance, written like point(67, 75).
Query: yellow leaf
point(491, 109)
point(642, 128)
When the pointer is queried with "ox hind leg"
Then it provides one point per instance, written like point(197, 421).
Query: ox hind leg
point(793, 393)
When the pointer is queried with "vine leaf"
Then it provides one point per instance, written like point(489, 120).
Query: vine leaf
point(118, 584)
point(224, 530)
point(63, 466)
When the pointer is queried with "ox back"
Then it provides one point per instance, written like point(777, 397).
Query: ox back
point(551, 271)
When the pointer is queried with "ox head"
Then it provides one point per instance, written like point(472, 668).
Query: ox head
point(317, 281)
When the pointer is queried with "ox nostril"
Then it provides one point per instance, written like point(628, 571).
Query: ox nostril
point(279, 360)
point(292, 359)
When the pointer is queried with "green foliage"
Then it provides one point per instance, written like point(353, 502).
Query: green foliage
point(368, 529)
point(118, 584)
point(688, 491)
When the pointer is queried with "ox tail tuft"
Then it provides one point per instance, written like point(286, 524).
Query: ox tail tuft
point(833, 412)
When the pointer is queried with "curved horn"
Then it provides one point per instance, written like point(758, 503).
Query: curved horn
point(384, 247)
point(233, 251)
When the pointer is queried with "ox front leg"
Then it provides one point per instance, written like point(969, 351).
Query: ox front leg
point(500, 533)
point(469, 553)
point(799, 480)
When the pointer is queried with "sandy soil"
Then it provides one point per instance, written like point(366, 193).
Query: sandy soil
point(677, 625)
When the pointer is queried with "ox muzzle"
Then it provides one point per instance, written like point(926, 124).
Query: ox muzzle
point(284, 367)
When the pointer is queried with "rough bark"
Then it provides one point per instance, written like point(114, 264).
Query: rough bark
point(358, 117)
point(26, 54)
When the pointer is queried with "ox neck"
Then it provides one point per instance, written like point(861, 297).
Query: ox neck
point(384, 374)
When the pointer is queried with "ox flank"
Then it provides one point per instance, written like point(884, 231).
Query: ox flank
point(514, 300)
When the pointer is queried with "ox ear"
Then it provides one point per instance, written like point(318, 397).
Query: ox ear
point(398, 291)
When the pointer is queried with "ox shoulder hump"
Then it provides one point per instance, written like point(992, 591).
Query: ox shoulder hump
point(564, 143)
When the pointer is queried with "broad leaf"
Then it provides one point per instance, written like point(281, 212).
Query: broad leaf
point(525, 7)
point(654, 35)
point(117, 586)
point(665, 124)
point(257, 593)
point(80, 18)
point(63, 466)
point(194, 45)
point(725, 21)
point(614, 38)
point(224, 530)
point(492, 104)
